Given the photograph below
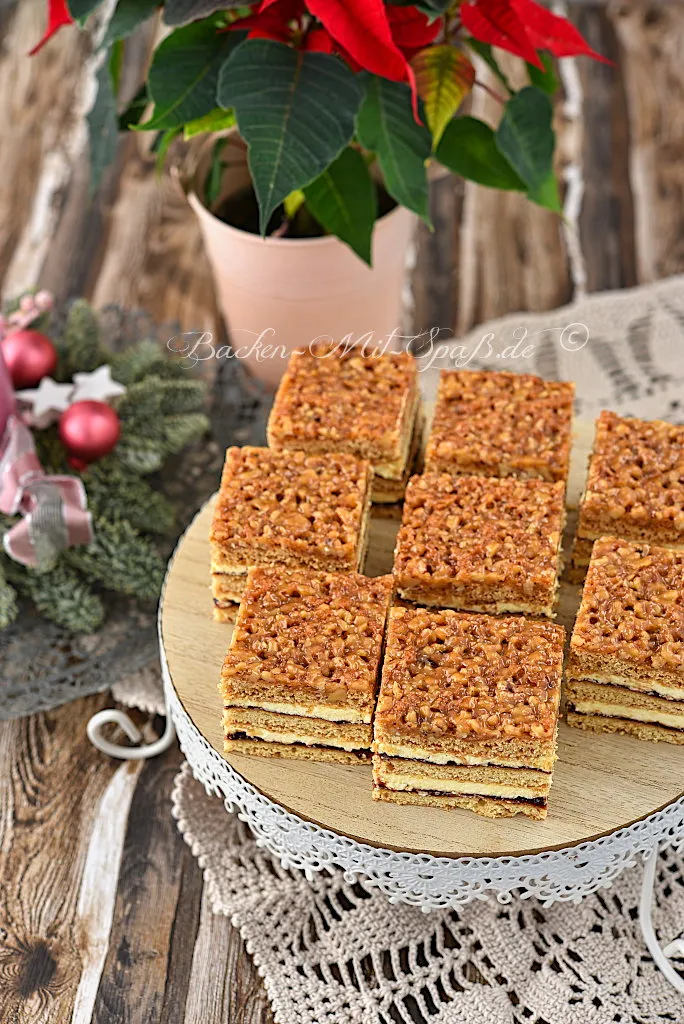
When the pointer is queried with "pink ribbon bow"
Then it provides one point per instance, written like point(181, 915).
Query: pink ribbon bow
point(53, 508)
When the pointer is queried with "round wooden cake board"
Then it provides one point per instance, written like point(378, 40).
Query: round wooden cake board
point(600, 783)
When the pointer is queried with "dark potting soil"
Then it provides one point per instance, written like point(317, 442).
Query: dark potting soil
point(241, 211)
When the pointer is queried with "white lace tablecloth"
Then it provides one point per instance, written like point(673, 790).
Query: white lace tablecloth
point(331, 952)
point(334, 953)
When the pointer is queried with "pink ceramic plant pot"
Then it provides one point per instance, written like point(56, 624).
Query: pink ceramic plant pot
point(278, 294)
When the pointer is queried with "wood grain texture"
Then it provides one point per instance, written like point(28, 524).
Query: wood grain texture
point(231, 990)
point(156, 916)
point(52, 903)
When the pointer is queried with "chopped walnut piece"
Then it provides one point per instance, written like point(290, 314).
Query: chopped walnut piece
point(635, 485)
point(309, 637)
point(337, 398)
point(290, 508)
point(464, 678)
point(480, 543)
point(501, 424)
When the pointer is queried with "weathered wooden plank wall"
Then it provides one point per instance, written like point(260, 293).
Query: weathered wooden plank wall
point(621, 130)
point(102, 910)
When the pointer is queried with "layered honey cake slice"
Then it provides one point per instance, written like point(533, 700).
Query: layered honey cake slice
point(467, 712)
point(335, 398)
point(501, 424)
point(300, 677)
point(625, 670)
point(288, 509)
point(634, 488)
point(480, 544)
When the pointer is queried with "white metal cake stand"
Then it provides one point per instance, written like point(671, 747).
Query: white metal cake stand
point(615, 799)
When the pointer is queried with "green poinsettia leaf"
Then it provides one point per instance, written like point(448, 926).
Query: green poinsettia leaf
point(295, 111)
point(525, 136)
point(386, 125)
point(468, 148)
point(128, 14)
point(184, 74)
point(343, 201)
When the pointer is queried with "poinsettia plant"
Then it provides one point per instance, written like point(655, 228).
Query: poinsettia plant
point(320, 90)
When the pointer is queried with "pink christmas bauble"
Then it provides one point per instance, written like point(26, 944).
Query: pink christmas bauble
point(88, 430)
point(29, 356)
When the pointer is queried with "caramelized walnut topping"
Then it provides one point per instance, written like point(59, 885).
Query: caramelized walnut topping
point(501, 424)
point(275, 498)
point(364, 403)
point(633, 605)
point(321, 632)
point(470, 676)
point(636, 480)
point(474, 529)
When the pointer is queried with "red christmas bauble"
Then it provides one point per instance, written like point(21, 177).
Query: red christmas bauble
point(29, 357)
point(88, 430)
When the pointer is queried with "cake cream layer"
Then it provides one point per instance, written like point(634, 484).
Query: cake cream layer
point(591, 698)
point(506, 783)
point(626, 726)
point(487, 806)
point(503, 753)
point(293, 751)
point(326, 712)
point(276, 728)
point(395, 469)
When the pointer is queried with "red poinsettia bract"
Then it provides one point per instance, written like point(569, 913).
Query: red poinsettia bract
point(522, 27)
point(366, 33)
point(58, 16)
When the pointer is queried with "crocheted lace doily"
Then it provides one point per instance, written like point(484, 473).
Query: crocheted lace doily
point(334, 951)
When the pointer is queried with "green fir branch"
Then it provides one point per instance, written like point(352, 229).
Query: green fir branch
point(120, 559)
point(63, 596)
point(80, 349)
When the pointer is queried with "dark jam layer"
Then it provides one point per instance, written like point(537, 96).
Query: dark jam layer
point(534, 801)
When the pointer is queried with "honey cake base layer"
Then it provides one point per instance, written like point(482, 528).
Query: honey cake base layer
point(513, 753)
point(589, 698)
point(476, 780)
point(488, 807)
point(270, 726)
point(294, 751)
point(626, 727)
point(615, 671)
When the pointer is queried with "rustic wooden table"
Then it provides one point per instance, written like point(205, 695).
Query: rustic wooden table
point(103, 916)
